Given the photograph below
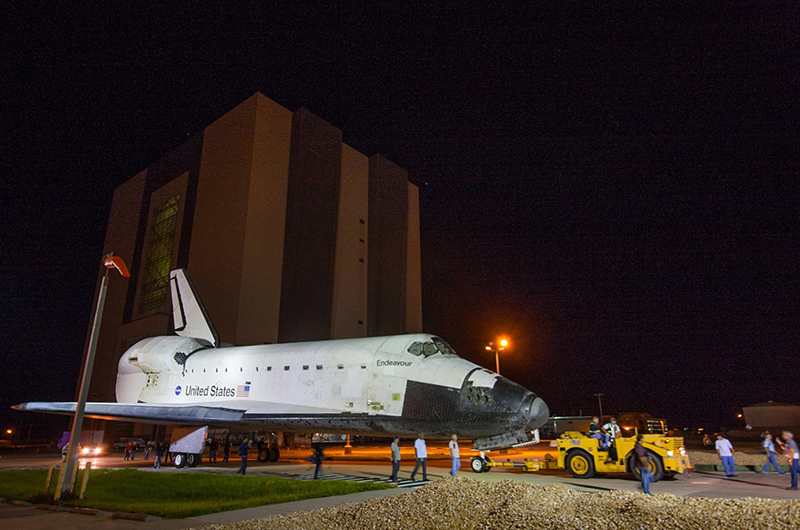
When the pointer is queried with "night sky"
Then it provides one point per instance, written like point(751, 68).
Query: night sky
point(615, 187)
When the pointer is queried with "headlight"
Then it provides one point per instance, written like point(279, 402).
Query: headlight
point(669, 453)
point(97, 450)
point(85, 451)
point(683, 451)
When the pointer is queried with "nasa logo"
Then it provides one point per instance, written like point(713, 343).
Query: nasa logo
point(178, 390)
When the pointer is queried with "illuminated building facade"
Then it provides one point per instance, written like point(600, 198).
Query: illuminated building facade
point(288, 234)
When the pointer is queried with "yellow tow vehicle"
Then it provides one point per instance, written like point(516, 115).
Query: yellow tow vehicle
point(582, 456)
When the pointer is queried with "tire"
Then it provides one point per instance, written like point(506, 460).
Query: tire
point(580, 464)
point(655, 466)
point(274, 454)
point(193, 460)
point(180, 460)
point(263, 455)
point(478, 465)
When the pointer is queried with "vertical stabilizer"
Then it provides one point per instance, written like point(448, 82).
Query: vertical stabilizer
point(188, 314)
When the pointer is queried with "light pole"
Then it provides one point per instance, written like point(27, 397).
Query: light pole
point(600, 403)
point(497, 347)
point(65, 477)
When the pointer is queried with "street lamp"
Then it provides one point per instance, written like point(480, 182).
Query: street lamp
point(65, 476)
point(497, 348)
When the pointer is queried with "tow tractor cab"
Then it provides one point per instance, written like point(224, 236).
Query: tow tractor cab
point(582, 456)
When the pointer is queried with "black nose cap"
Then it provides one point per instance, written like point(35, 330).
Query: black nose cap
point(538, 414)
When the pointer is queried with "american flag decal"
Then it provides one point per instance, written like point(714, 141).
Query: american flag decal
point(243, 390)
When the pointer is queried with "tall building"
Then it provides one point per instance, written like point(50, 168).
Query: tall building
point(287, 233)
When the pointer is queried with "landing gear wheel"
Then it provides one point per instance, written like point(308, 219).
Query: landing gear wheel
point(180, 460)
point(478, 465)
point(274, 454)
point(655, 466)
point(193, 460)
point(580, 464)
point(263, 455)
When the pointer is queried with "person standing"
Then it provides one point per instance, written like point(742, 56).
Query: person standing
point(726, 452)
point(147, 450)
point(212, 451)
point(794, 457)
point(243, 455)
point(455, 456)
point(134, 447)
point(127, 452)
point(159, 455)
point(643, 464)
point(317, 458)
point(227, 452)
point(613, 432)
point(769, 448)
point(395, 458)
point(421, 453)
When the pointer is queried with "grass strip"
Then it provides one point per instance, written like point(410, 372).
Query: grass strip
point(175, 495)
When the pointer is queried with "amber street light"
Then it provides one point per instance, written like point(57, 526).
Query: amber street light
point(497, 348)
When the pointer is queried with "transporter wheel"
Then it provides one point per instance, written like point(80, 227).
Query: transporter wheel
point(478, 465)
point(180, 460)
point(580, 464)
point(263, 455)
point(193, 460)
point(655, 466)
point(274, 454)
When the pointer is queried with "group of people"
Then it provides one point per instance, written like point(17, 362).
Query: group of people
point(606, 434)
point(421, 457)
point(788, 444)
point(214, 445)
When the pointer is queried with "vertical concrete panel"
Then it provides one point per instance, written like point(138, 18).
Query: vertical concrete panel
point(262, 264)
point(311, 216)
point(350, 275)
point(413, 265)
point(220, 216)
point(388, 246)
point(123, 227)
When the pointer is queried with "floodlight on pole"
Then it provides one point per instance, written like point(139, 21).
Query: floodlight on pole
point(497, 347)
point(65, 482)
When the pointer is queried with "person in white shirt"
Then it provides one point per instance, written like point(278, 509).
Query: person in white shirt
point(612, 430)
point(454, 455)
point(421, 452)
point(725, 450)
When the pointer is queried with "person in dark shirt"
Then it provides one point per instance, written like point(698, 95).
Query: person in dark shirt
point(317, 458)
point(642, 461)
point(596, 431)
point(227, 452)
point(243, 454)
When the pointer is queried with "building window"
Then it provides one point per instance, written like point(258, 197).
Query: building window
point(286, 368)
point(155, 277)
point(340, 366)
point(305, 367)
point(269, 368)
point(319, 367)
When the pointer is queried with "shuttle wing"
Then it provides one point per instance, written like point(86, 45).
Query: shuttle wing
point(188, 314)
point(189, 415)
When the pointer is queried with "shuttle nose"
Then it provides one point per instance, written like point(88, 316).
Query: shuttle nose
point(536, 411)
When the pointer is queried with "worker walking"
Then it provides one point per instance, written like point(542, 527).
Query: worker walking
point(769, 449)
point(643, 463)
point(725, 451)
point(421, 452)
point(794, 457)
point(395, 458)
point(455, 456)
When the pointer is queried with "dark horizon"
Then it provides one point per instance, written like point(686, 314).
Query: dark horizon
point(614, 189)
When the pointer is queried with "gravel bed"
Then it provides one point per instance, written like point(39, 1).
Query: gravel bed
point(742, 459)
point(463, 503)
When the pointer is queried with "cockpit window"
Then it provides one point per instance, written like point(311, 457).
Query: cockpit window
point(415, 348)
point(443, 347)
point(427, 349)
